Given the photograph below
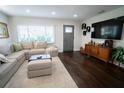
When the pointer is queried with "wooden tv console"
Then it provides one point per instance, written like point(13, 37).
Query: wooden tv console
point(102, 53)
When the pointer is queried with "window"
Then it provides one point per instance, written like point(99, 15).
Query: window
point(68, 29)
point(36, 33)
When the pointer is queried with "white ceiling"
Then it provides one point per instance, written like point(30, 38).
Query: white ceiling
point(62, 11)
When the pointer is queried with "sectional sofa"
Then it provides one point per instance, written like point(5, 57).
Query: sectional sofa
point(8, 69)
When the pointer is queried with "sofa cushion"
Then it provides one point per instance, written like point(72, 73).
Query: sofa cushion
point(6, 67)
point(26, 51)
point(16, 55)
point(40, 45)
point(17, 47)
point(3, 58)
point(27, 45)
point(51, 45)
point(12, 60)
point(36, 51)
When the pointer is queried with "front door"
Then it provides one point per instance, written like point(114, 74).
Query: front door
point(68, 35)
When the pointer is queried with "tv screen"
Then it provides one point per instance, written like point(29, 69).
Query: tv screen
point(110, 29)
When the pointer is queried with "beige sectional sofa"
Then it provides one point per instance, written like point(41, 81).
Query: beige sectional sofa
point(33, 48)
point(17, 58)
point(9, 68)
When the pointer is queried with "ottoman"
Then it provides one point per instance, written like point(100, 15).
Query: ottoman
point(39, 67)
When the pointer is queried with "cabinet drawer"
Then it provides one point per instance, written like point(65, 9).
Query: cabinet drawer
point(104, 53)
point(88, 49)
point(94, 50)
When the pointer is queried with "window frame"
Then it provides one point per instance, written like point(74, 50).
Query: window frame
point(27, 27)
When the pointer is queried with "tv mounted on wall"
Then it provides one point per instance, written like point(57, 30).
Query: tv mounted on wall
point(109, 29)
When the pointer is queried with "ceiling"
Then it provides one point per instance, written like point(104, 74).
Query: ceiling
point(81, 12)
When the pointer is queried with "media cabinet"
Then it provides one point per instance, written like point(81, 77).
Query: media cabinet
point(102, 53)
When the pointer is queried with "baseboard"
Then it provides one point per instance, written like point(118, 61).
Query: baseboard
point(60, 51)
point(76, 49)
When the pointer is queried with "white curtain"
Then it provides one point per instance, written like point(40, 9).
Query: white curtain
point(36, 33)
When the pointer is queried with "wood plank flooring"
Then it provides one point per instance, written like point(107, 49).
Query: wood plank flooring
point(89, 72)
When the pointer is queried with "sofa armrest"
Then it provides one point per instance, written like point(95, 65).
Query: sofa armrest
point(52, 50)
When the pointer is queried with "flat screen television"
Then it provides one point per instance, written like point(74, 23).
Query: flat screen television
point(109, 29)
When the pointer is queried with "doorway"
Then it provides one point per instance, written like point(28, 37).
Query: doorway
point(68, 35)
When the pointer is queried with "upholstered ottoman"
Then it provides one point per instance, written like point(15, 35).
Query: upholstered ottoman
point(39, 67)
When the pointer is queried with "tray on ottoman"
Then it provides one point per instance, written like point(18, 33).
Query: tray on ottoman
point(39, 57)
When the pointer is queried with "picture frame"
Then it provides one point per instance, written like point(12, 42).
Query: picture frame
point(3, 30)
point(88, 28)
point(84, 33)
point(83, 26)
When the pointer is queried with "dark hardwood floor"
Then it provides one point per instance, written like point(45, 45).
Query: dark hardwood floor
point(92, 73)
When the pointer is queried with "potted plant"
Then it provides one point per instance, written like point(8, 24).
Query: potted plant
point(118, 55)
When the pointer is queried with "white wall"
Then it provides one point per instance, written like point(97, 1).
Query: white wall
point(101, 17)
point(4, 42)
point(58, 23)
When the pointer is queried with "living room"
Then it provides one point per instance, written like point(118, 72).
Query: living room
point(57, 36)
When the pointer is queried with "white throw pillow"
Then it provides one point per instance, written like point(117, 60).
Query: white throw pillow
point(3, 58)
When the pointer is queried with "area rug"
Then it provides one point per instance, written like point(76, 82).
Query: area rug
point(60, 78)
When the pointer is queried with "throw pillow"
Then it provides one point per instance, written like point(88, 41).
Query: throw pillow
point(27, 45)
point(17, 47)
point(40, 45)
point(3, 58)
